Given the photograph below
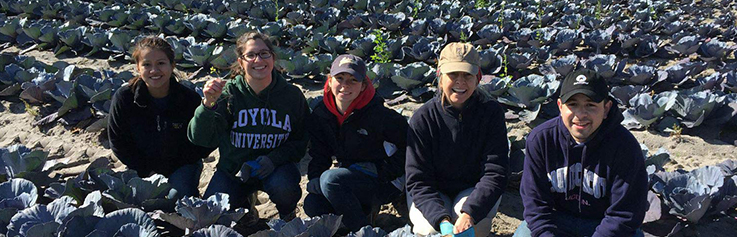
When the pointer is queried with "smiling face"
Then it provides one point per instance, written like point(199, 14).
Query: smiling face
point(155, 69)
point(457, 87)
point(582, 116)
point(345, 87)
point(258, 68)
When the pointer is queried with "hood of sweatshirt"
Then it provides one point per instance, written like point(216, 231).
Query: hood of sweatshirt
point(361, 101)
point(239, 83)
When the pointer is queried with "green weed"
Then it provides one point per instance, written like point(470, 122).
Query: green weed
point(483, 3)
point(464, 37)
point(381, 50)
point(30, 109)
point(676, 132)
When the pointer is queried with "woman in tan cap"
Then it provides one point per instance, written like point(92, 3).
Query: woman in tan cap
point(457, 152)
point(367, 139)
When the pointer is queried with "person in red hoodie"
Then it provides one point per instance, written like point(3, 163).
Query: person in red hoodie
point(368, 141)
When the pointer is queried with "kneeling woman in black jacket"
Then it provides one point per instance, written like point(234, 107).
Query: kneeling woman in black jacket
point(457, 152)
point(366, 138)
point(148, 120)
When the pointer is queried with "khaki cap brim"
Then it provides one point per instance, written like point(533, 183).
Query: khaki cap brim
point(459, 67)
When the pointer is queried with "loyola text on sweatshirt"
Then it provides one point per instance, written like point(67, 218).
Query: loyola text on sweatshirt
point(244, 125)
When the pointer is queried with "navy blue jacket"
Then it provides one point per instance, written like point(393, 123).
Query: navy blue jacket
point(449, 151)
point(148, 139)
point(603, 178)
point(360, 138)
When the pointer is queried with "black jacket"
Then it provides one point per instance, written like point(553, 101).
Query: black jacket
point(147, 139)
point(449, 151)
point(360, 138)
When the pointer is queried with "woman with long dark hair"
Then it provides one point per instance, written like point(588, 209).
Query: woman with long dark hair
point(148, 120)
point(257, 121)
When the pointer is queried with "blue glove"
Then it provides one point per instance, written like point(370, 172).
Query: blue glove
point(254, 166)
point(313, 186)
point(265, 167)
point(466, 233)
point(446, 228)
point(244, 173)
point(367, 168)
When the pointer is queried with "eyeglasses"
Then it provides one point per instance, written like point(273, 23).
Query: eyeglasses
point(262, 55)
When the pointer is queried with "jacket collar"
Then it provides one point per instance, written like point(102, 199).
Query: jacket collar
point(471, 103)
point(142, 98)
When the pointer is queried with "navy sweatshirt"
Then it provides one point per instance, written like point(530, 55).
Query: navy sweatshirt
point(146, 138)
point(603, 178)
point(449, 151)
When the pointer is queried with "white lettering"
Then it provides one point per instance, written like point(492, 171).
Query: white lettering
point(264, 117)
point(253, 113)
point(568, 178)
point(287, 124)
point(274, 122)
point(242, 118)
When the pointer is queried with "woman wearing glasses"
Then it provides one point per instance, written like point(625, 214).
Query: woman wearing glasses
point(256, 120)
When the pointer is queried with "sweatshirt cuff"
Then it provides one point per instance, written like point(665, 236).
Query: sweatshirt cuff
point(213, 108)
point(203, 110)
point(475, 215)
point(436, 221)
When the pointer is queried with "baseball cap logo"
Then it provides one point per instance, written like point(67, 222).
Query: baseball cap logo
point(345, 61)
point(459, 52)
point(581, 80)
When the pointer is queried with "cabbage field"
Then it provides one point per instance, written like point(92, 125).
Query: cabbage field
point(671, 66)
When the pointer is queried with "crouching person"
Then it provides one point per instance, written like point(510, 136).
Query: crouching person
point(257, 120)
point(584, 173)
point(367, 139)
point(148, 119)
point(457, 152)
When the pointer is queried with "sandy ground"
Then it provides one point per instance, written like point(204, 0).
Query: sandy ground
point(79, 147)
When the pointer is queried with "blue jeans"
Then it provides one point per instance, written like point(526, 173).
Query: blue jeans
point(185, 180)
point(350, 193)
point(569, 226)
point(282, 185)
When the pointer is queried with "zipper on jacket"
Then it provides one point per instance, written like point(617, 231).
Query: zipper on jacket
point(158, 124)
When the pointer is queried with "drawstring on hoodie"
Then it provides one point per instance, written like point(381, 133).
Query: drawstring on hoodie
point(580, 188)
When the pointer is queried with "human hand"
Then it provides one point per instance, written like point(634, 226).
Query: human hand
point(446, 228)
point(313, 186)
point(470, 232)
point(463, 223)
point(366, 168)
point(212, 90)
point(265, 167)
point(244, 173)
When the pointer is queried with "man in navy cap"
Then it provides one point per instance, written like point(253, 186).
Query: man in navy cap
point(584, 173)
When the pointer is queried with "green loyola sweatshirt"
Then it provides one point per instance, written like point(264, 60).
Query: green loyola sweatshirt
point(244, 125)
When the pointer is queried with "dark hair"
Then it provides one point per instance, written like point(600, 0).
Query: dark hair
point(240, 47)
point(150, 42)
